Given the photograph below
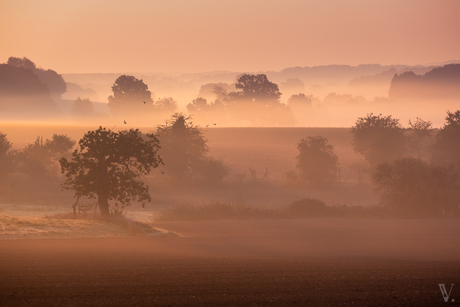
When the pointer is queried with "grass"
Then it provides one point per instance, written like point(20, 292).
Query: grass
point(304, 208)
point(131, 227)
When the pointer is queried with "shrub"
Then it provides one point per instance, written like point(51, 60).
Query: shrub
point(317, 161)
point(307, 207)
point(417, 188)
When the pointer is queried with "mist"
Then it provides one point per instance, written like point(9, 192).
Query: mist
point(182, 155)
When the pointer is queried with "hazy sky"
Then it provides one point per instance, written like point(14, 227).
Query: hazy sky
point(238, 35)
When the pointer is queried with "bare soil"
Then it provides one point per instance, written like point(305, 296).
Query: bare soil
point(315, 262)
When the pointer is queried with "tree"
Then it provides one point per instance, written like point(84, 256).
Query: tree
point(5, 145)
point(40, 158)
point(256, 88)
point(109, 165)
point(5, 156)
point(52, 79)
point(131, 97)
point(317, 161)
point(82, 108)
point(447, 146)
point(182, 145)
point(415, 187)
point(292, 85)
point(300, 101)
point(165, 105)
point(420, 131)
point(212, 91)
point(378, 138)
point(22, 93)
point(184, 151)
point(257, 100)
point(207, 113)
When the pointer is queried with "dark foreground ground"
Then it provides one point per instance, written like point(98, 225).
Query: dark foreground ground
point(316, 262)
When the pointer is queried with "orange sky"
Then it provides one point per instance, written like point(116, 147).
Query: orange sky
point(239, 35)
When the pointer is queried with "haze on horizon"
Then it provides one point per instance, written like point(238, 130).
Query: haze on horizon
point(196, 36)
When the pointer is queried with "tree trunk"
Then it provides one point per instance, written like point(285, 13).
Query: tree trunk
point(103, 193)
point(103, 202)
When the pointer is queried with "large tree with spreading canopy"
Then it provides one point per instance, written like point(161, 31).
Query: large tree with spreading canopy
point(108, 165)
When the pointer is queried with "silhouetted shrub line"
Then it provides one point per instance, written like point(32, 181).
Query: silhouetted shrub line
point(301, 209)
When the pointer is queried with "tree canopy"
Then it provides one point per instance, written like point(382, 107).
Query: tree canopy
point(420, 131)
point(82, 108)
point(184, 150)
point(299, 101)
point(22, 93)
point(52, 79)
point(447, 146)
point(257, 100)
point(317, 161)
point(378, 138)
point(256, 88)
point(5, 158)
point(131, 96)
point(40, 158)
point(182, 145)
point(417, 188)
point(109, 165)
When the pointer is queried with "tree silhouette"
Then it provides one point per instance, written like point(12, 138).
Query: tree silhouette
point(184, 149)
point(417, 188)
point(108, 165)
point(22, 93)
point(52, 79)
point(40, 159)
point(420, 131)
point(5, 145)
point(447, 146)
point(183, 145)
point(378, 138)
point(82, 108)
point(317, 161)
point(129, 94)
point(6, 165)
point(299, 102)
point(257, 100)
point(256, 88)
point(165, 105)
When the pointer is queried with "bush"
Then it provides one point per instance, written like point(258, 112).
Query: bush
point(317, 162)
point(417, 188)
point(213, 170)
point(212, 211)
point(307, 207)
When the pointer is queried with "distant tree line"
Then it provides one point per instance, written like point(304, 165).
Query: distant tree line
point(409, 182)
point(255, 101)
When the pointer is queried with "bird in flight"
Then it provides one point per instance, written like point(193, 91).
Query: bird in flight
point(214, 124)
point(145, 102)
point(125, 122)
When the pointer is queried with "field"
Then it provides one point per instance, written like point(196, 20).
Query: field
point(313, 262)
point(49, 258)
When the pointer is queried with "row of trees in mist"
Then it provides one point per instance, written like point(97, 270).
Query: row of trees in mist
point(110, 165)
point(255, 101)
point(409, 173)
point(27, 91)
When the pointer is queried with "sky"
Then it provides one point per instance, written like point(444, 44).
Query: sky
point(186, 36)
